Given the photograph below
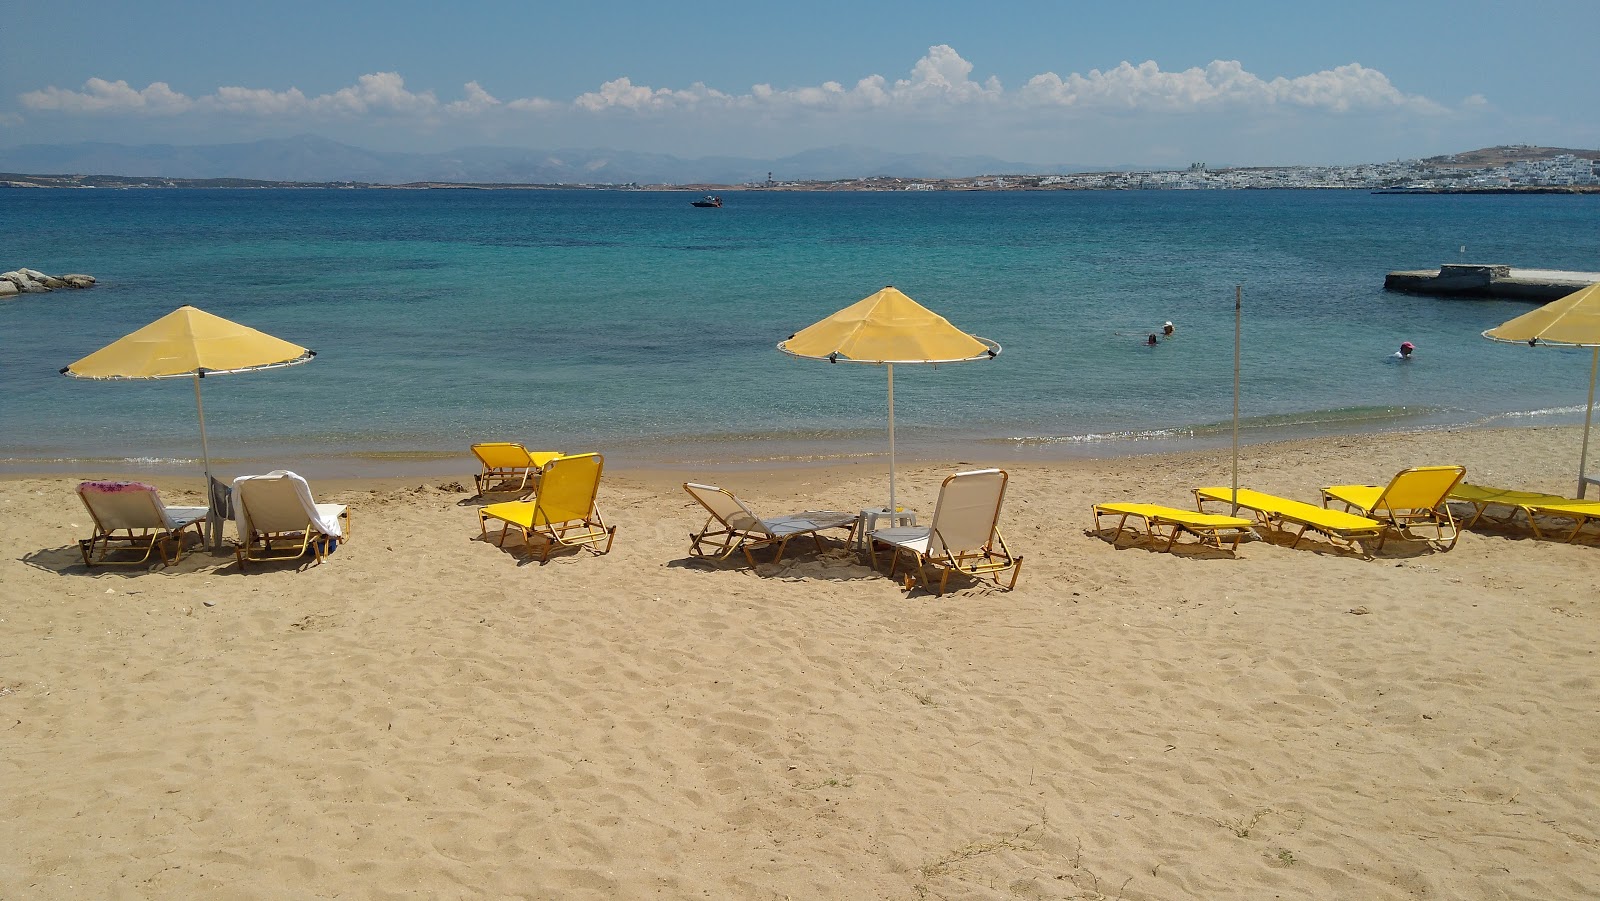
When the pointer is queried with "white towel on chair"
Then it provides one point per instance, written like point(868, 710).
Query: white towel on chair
point(322, 517)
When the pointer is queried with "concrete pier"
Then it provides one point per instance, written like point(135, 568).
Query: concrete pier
point(1490, 280)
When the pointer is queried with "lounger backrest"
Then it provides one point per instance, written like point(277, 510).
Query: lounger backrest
point(968, 511)
point(123, 505)
point(502, 454)
point(272, 503)
point(729, 510)
point(568, 490)
point(1420, 488)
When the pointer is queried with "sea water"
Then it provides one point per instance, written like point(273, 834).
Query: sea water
point(633, 323)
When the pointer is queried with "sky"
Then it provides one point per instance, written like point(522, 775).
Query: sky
point(1064, 83)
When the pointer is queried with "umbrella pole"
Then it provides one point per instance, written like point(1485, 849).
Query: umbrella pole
point(1588, 414)
point(213, 528)
point(1238, 317)
point(892, 509)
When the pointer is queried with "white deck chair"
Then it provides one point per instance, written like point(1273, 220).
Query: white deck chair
point(964, 535)
point(134, 507)
point(276, 513)
point(734, 526)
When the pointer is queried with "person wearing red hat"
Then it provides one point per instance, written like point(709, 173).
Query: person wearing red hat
point(1404, 353)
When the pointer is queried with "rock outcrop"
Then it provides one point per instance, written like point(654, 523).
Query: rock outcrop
point(32, 281)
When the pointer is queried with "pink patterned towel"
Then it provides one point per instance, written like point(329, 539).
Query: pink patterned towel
point(112, 487)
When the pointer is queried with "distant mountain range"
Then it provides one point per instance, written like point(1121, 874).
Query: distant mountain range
point(308, 158)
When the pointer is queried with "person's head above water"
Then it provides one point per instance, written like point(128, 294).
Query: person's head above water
point(1152, 339)
point(1406, 347)
point(1166, 327)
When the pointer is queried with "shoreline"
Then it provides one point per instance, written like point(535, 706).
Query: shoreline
point(1047, 452)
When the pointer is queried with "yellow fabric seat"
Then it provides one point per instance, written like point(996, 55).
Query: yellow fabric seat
point(563, 513)
point(1531, 503)
point(1272, 510)
point(1415, 496)
point(1210, 528)
point(505, 462)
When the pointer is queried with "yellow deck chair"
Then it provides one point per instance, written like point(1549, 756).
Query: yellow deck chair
point(1210, 528)
point(1531, 503)
point(734, 527)
point(505, 462)
point(563, 513)
point(1415, 496)
point(963, 536)
point(1274, 512)
point(278, 519)
point(129, 508)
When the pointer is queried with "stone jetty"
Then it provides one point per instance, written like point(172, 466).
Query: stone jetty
point(1495, 280)
point(32, 281)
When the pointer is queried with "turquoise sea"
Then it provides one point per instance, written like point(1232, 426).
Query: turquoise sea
point(632, 323)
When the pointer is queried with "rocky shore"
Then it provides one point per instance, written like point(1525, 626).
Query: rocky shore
point(32, 281)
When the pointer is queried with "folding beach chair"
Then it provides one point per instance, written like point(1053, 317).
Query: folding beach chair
point(563, 513)
point(1274, 512)
point(1169, 522)
point(732, 526)
point(963, 536)
point(278, 519)
point(130, 508)
point(1531, 503)
point(1414, 497)
point(506, 462)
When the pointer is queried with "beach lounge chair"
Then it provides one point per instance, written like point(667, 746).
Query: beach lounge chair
point(732, 526)
point(1277, 512)
point(1414, 497)
point(963, 536)
point(1210, 528)
point(136, 510)
point(1531, 503)
point(278, 519)
point(563, 513)
point(506, 462)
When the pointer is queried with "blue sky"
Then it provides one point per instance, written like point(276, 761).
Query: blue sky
point(1145, 83)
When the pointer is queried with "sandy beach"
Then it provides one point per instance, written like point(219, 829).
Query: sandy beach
point(428, 715)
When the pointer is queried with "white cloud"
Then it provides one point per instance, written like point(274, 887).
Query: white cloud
point(624, 94)
point(1221, 83)
point(101, 96)
point(477, 101)
point(939, 81)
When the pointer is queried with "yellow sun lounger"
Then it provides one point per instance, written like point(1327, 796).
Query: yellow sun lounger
point(1271, 510)
point(563, 513)
point(1531, 503)
point(505, 462)
point(1210, 528)
point(1415, 496)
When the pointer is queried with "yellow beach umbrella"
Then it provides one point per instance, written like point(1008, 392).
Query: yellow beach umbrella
point(189, 342)
point(885, 329)
point(1572, 321)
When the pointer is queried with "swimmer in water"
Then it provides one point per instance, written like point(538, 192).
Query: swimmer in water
point(1152, 340)
point(1404, 353)
point(1167, 329)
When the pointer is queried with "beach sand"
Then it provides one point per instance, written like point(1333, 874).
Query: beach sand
point(428, 715)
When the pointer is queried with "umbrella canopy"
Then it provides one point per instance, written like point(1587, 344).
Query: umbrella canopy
point(1572, 321)
point(190, 342)
point(884, 329)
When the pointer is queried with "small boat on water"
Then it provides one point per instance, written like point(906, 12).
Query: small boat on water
point(707, 200)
